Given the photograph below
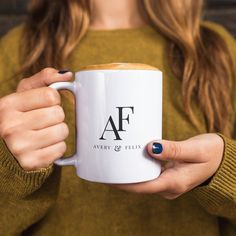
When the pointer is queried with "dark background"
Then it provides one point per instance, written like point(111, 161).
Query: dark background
point(12, 12)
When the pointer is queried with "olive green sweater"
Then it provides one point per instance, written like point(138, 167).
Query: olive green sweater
point(54, 201)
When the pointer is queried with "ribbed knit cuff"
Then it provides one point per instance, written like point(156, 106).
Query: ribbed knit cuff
point(222, 186)
point(10, 168)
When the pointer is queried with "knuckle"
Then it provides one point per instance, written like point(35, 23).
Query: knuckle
point(22, 85)
point(51, 96)
point(31, 164)
point(58, 113)
point(27, 163)
point(64, 130)
point(174, 150)
point(10, 127)
point(46, 72)
point(16, 147)
point(7, 132)
point(61, 149)
point(5, 104)
point(13, 138)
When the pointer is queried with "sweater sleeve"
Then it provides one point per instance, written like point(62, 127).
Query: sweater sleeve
point(25, 195)
point(218, 196)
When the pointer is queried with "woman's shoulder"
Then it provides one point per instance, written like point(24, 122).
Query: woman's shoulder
point(13, 35)
point(221, 30)
point(10, 44)
point(225, 34)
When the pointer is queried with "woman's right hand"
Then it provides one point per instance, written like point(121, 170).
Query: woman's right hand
point(32, 121)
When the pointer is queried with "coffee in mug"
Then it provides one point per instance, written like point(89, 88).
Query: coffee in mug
point(118, 111)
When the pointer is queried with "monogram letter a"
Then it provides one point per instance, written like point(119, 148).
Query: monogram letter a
point(114, 129)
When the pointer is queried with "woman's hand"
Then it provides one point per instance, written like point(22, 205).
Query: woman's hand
point(189, 164)
point(31, 121)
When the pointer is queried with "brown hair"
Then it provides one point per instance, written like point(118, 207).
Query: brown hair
point(56, 27)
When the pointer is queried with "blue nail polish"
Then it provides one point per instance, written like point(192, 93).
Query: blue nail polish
point(157, 148)
point(62, 72)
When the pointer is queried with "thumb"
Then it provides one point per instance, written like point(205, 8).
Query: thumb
point(44, 78)
point(173, 150)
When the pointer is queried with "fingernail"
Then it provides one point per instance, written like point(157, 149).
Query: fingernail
point(63, 72)
point(157, 148)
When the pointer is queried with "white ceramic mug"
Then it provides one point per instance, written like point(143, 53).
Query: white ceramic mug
point(118, 111)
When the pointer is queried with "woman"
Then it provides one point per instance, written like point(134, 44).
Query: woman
point(197, 59)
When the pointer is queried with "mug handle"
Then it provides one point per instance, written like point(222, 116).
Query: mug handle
point(71, 87)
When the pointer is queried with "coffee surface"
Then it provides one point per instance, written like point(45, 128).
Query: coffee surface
point(119, 66)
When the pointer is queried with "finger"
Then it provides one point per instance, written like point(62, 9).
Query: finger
point(33, 99)
point(42, 158)
point(169, 196)
point(172, 181)
point(44, 78)
point(187, 150)
point(45, 117)
point(33, 140)
point(155, 186)
point(49, 136)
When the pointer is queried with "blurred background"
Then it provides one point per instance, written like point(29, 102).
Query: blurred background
point(12, 12)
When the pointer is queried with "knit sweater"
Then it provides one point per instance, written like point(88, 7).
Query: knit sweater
point(55, 201)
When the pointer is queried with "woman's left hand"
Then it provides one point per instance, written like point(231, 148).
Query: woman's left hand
point(189, 163)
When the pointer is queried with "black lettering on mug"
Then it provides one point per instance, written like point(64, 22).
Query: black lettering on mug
point(120, 123)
